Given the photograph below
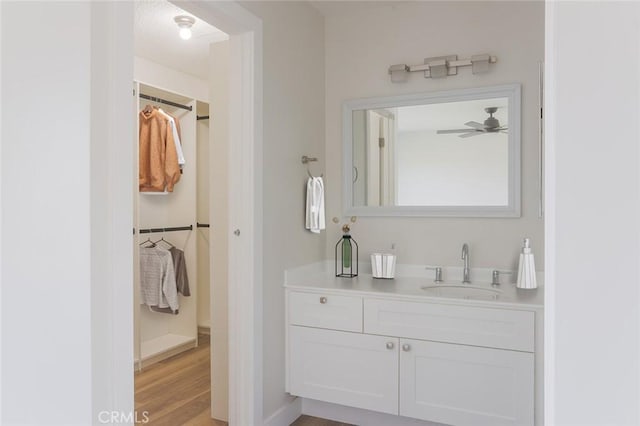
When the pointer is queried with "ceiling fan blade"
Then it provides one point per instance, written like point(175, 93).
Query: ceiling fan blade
point(471, 134)
point(475, 125)
point(444, 132)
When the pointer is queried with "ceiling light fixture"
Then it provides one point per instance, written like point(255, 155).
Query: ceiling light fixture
point(185, 23)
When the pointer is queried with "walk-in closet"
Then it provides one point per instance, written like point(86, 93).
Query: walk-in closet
point(172, 241)
point(167, 222)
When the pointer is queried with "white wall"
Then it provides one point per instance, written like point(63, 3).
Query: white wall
point(449, 171)
point(166, 78)
point(57, 227)
point(113, 184)
point(360, 48)
point(593, 232)
point(293, 126)
point(50, 204)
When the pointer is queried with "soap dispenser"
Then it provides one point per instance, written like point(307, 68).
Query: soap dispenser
point(526, 268)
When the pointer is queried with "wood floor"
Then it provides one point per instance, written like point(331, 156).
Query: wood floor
point(315, 421)
point(177, 391)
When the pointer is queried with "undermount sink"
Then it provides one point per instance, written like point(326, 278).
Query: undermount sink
point(462, 291)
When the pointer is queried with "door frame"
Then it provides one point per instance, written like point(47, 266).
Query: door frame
point(245, 205)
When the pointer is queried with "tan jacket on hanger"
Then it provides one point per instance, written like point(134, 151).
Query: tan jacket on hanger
point(158, 160)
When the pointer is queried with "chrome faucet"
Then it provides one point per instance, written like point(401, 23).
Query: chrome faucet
point(465, 271)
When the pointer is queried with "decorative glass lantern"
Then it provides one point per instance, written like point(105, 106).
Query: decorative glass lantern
point(346, 255)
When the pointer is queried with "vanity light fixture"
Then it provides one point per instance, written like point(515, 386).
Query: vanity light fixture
point(441, 66)
point(399, 73)
point(185, 23)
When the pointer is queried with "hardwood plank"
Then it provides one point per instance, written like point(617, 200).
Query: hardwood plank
point(177, 390)
point(316, 421)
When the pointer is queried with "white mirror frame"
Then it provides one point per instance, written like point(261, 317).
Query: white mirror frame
point(512, 209)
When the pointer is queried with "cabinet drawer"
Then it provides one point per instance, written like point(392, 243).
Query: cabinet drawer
point(325, 311)
point(495, 328)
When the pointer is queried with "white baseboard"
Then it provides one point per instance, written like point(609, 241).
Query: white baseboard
point(357, 416)
point(286, 414)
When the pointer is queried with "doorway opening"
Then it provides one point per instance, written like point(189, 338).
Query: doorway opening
point(210, 88)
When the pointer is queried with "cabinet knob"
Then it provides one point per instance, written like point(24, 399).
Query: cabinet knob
point(406, 347)
point(389, 345)
point(323, 300)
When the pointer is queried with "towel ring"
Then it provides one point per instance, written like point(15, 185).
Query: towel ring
point(306, 160)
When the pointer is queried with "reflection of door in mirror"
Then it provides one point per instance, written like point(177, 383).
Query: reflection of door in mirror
point(380, 158)
point(374, 175)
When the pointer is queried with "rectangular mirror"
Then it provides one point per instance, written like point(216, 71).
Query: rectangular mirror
point(452, 153)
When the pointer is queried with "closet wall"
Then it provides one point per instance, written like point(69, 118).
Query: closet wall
point(159, 335)
point(202, 214)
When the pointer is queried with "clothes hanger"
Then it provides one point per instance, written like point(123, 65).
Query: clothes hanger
point(148, 241)
point(147, 109)
point(162, 240)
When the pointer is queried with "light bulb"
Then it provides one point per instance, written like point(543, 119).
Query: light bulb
point(184, 24)
point(185, 33)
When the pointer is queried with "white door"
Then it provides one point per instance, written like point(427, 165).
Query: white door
point(344, 368)
point(466, 385)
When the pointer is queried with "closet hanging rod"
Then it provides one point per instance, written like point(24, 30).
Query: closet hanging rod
point(166, 102)
point(156, 230)
point(202, 225)
point(202, 117)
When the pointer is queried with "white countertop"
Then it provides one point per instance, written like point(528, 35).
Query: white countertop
point(321, 277)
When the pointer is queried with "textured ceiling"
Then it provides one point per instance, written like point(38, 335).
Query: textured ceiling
point(331, 8)
point(156, 38)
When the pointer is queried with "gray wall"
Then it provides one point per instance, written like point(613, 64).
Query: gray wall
point(359, 49)
point(293, 126)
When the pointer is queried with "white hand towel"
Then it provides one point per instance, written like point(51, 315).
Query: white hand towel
point(315, 221)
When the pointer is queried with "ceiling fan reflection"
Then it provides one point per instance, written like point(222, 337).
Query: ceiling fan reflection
point(490, 125)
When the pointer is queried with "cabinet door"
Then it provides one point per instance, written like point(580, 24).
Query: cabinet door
point(351, 369)
point(466, 385)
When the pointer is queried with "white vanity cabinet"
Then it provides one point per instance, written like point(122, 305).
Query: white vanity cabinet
point(440, 361)
point(358, 370)
point(466, 385)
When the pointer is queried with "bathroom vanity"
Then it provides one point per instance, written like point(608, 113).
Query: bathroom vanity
point(410, 348)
